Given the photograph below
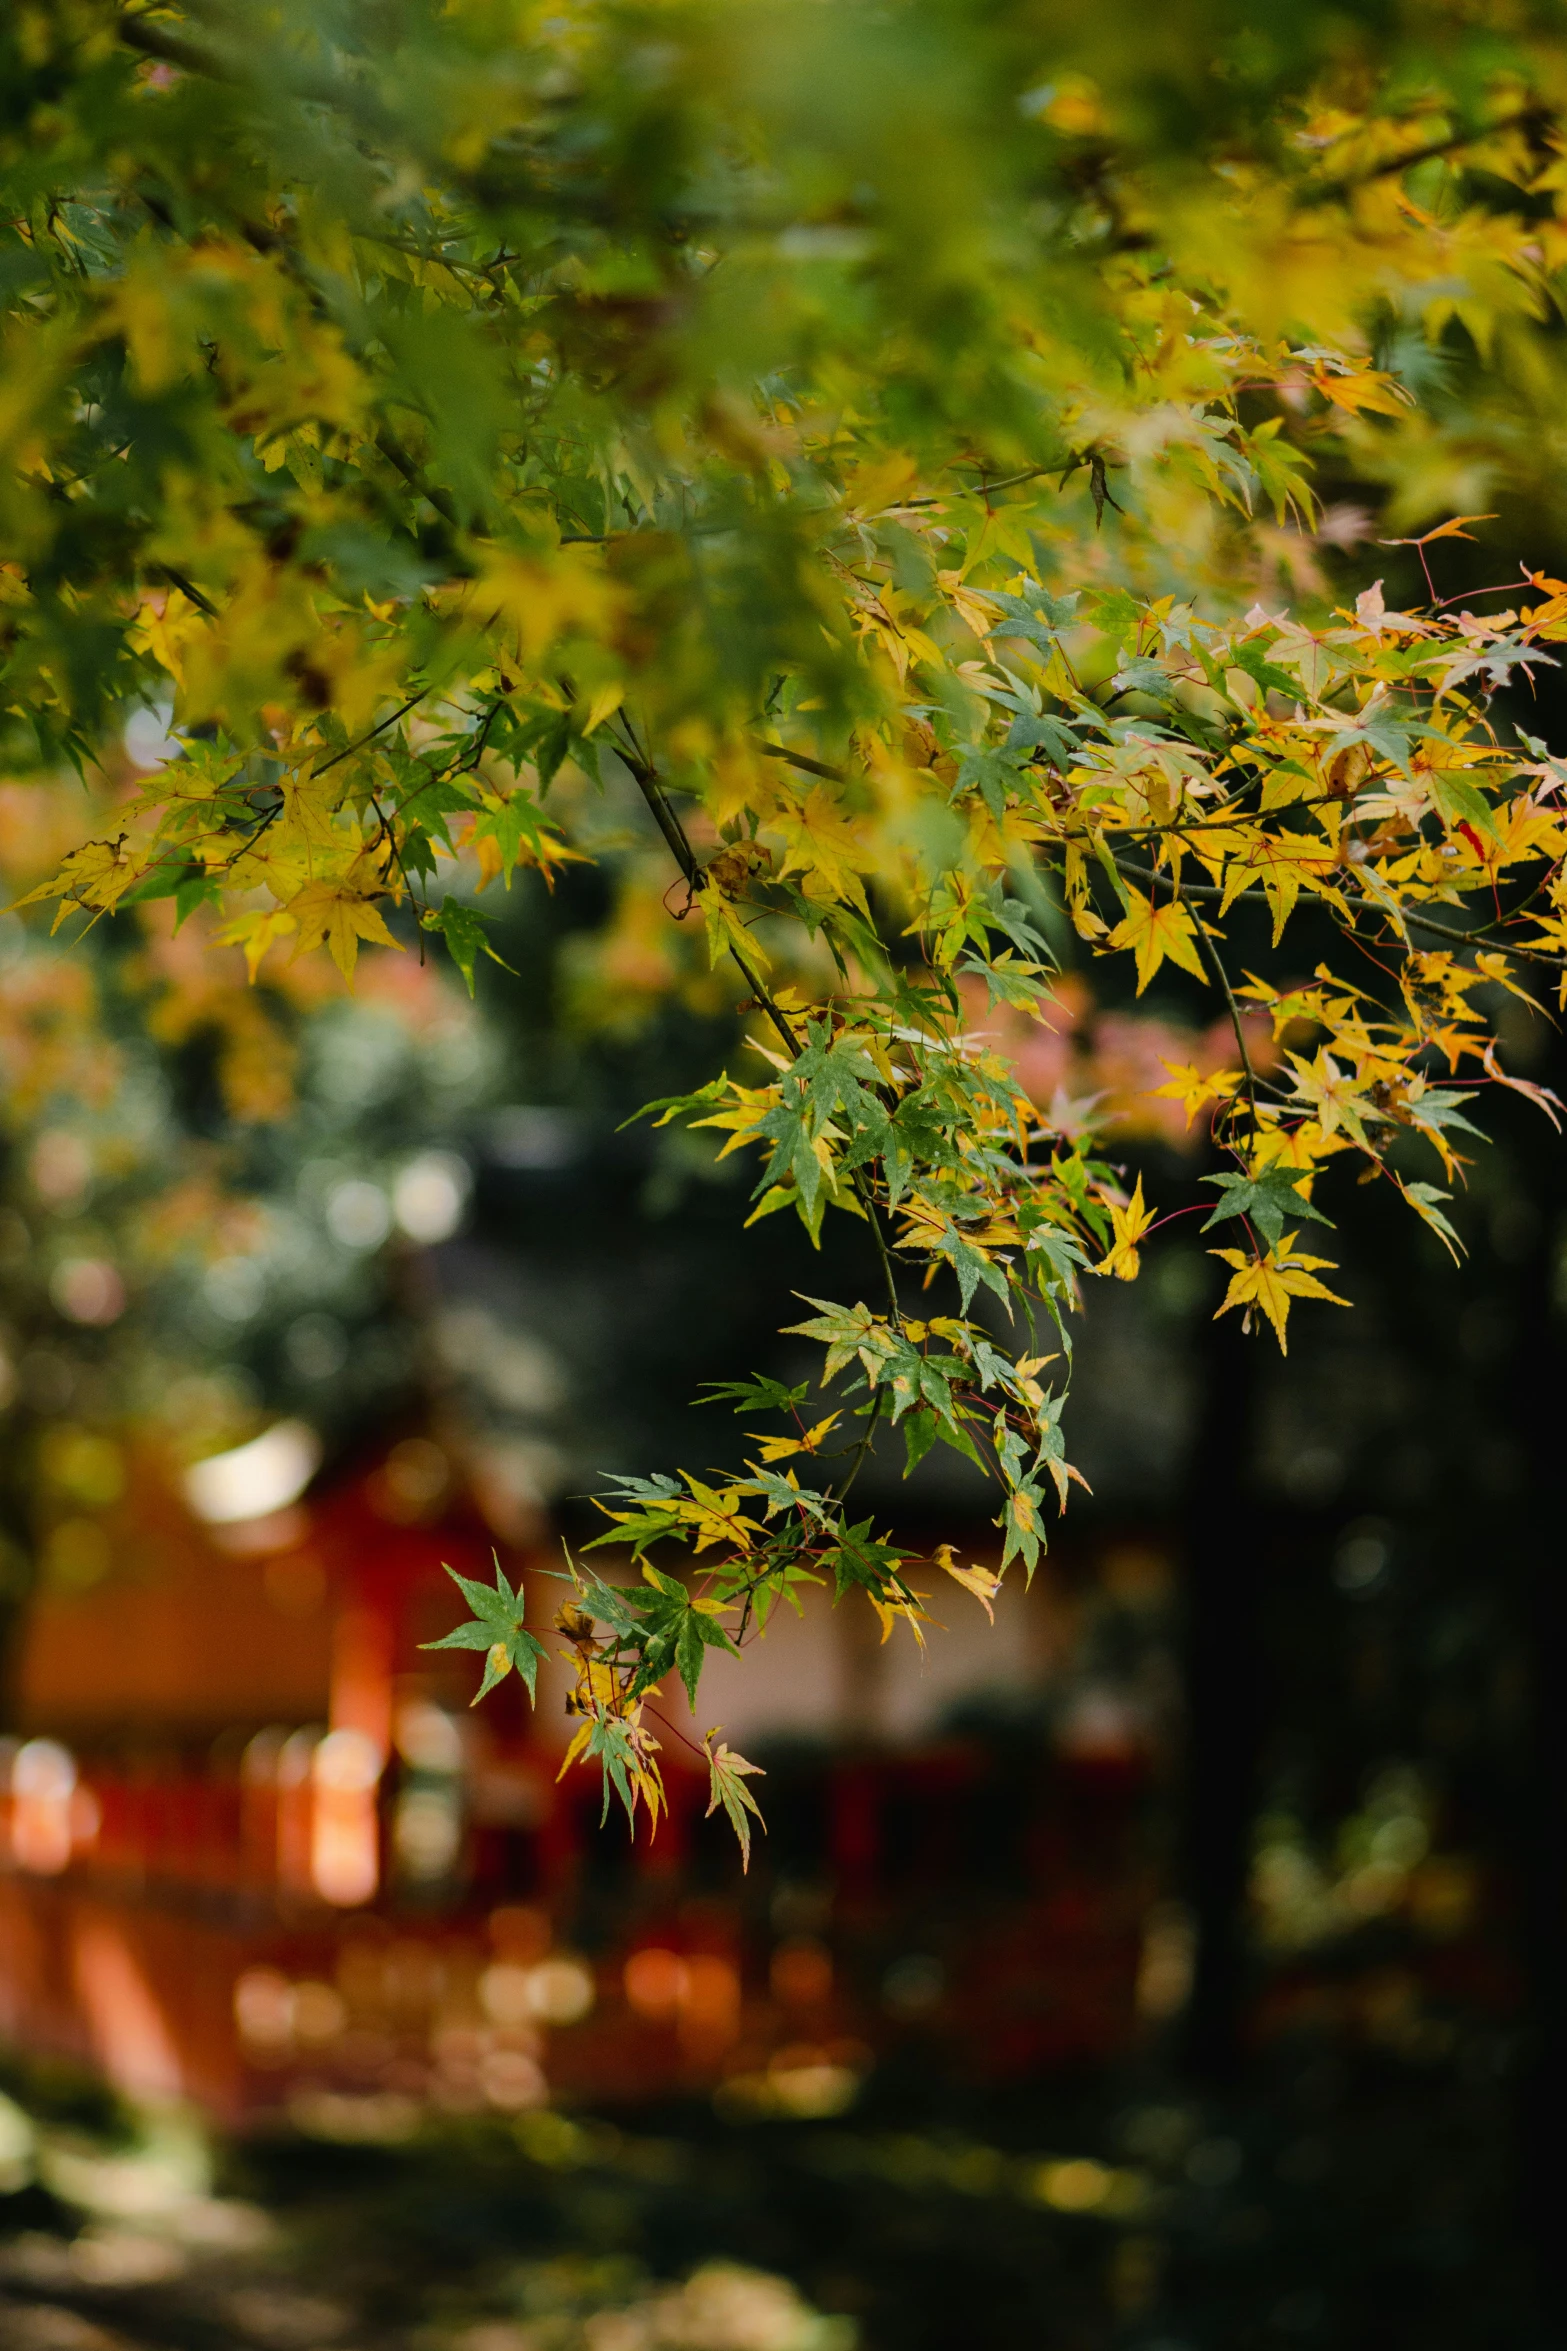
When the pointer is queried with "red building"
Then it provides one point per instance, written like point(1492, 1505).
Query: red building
point(255, 1848)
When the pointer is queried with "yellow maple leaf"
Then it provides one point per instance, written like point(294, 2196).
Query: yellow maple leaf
point(781, 1448)
point(979, 1580)
point(307, 820)
point(976, 610)
point(1368, 390)
point(823, 848)
point(538, 599)
point(890, 1611)
point(329, 915)
point(166, 624)
point(725, 930)
point(1154, 932)
point(1029, 1390)
point(97, 875)
point(606, 701)
point(1193, 1091)
point(1273, 1280)
point(1335, 1096)
point(491, 860)
point(255, 933)
point(714, 1514)
point(1128, 1226)
point(1499, 971)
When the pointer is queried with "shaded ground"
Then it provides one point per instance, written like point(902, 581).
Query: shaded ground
point(1357, 2209)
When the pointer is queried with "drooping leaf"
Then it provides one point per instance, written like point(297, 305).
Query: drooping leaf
point(727, 1773)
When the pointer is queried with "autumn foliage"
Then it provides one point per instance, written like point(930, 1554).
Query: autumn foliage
point(858, 471)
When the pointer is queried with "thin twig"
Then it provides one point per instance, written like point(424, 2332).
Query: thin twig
point(1222, 976)
point(349, 749)
point(873, 1219)
point(861, 1449)
point(674, 832)
point(646, 1701)
point(1012, 481)
point(389, 836)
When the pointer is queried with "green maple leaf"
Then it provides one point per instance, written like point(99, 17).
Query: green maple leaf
point(754, 1395)
point(496, 1628)
point(1268, 1199)
point(674, 1630)
point(465, 934)
point(698, 1633)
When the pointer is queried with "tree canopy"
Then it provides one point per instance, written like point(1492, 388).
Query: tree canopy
point(880, 478)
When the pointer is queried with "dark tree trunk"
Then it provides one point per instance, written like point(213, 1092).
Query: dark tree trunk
point(1223, 1665)
point(1541, 1820)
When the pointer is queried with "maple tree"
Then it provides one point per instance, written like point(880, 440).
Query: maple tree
point(854, 472)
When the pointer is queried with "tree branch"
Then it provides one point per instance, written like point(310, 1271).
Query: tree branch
point(1484, 934)
point(156, 40)
point(811, 767)
point(1222, 977)
point(380, 728)
point(674, 832)
point(1346, 184)
point(685, 857)
point(187, 589)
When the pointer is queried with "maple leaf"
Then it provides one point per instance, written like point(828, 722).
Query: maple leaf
point(727, 1774)
point(891, 1612)
point(979, 1580)
point(1193, 1091)
point(1128, 1225)
point(1336, 1098)
point(1496, 968)
point(821, 846)
point(1021, 1524)
point(725, 930)
point(465, 935)
point(1266, 1199)
point(625, 1751)
point(845, 1331)
point(1423, 1199)
point(510, 830)
point(496, 1627)
point(309, 813)
point(782, 1448)
point(606, 701)
point(255, 933)
point(1272, 1281)
point(1541, 1096)
point(338, 918)
point(759, 1394)
point(98, 875)
point(1154, 932)
point(1367, 390)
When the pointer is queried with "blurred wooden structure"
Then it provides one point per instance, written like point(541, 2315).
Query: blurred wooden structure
point(255, 1850)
